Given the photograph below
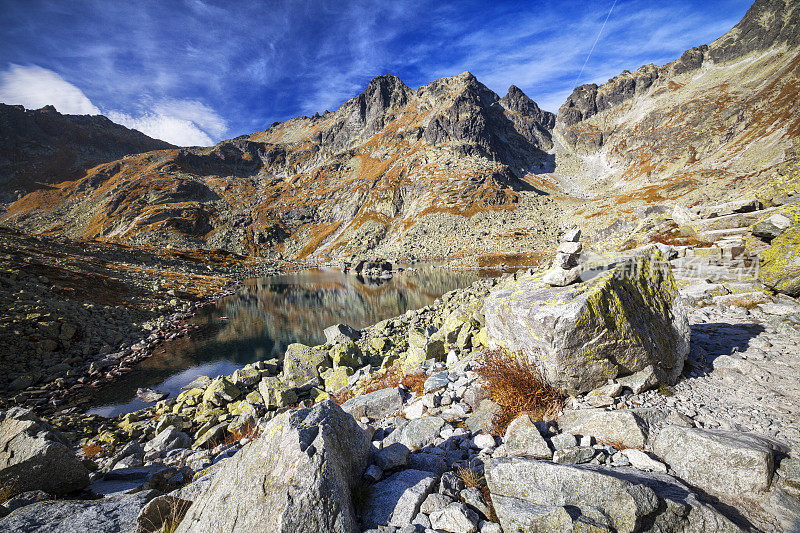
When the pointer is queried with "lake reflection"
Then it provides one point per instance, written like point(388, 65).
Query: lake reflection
point(267, 315)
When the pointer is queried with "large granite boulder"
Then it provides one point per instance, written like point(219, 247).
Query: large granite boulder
point(296, 477)
point(780, 263)
point(33, 456)
point(531, 495)
point(396, 500)
point(723, 463)
point(624, 317)
point(113, 514)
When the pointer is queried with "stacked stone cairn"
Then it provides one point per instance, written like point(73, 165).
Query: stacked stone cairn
point(566, 268)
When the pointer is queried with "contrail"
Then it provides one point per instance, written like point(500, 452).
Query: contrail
point(595, 43)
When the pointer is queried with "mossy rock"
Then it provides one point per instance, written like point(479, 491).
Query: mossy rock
point(302, 364)
point(780, 263)
point(336, 378)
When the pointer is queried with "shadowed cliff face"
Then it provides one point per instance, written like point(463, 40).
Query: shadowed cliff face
point(453, 170)
point(40, 147)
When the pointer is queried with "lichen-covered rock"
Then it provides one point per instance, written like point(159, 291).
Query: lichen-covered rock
point(296, 477)
point(221, 391)
point(33, 456)
point(780, 263)
point(624, 319)
point(376, 404)
point(630, 427)
point(302, 365)
point(275, 393)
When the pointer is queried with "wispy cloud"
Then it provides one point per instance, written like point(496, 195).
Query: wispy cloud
point(181, 122)
point(196, 61)
point(35, 87)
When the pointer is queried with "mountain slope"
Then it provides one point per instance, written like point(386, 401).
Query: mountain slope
point(42, 146)
point(386, 168)
point(453, 170)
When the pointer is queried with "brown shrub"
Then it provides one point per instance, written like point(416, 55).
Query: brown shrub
point(517, 387)
point(391, 377)
point(96, 450)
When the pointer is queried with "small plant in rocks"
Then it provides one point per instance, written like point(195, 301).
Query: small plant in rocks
point(517, 387)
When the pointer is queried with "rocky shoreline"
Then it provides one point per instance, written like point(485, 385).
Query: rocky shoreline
point(698, 434)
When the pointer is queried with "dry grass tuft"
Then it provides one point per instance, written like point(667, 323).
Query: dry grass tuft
point(391, 377)
point(96, 450)
point(473, 479)
point(517, 387)
point(614, 443)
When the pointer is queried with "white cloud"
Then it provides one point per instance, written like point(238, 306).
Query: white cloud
point(180, 122)
point(35, 87)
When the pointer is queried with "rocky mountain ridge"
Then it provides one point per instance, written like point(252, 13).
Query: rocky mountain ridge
point(454, 170)
point(39, 147)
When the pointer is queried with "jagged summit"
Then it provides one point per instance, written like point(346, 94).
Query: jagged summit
point(435, 171)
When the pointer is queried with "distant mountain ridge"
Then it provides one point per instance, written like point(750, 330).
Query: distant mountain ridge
point(42, 146)
point(453, 169)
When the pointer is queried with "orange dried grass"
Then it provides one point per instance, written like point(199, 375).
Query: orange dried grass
point(517, 387)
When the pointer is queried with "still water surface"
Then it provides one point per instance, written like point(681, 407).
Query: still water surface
point(268, 314)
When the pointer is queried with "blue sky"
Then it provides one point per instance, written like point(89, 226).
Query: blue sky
point(197, 72)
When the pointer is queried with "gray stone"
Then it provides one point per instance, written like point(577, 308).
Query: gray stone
point(429, 462)
point(518, 515)
point(168, 439)
point(434, 502)
point(641, 460)
point(473, 497)
point(523, 438)
point(436, 381)
point(341, 333)
point(561, 277)
point(416, 434)
point(455, 518)
point(570, 248)
point(574, 455)
point(573, 235)
point(722, 463)
point(618, 499)
point(33, 456)
point(392, 456)
point(374, 405)
point(625, 316)
point(311, 460)
point(451, 485)
point(161, 513)
point(112, 514)
point(563, 440)
point(772, 227)
point(396, 500)
point(26, 498)
point(302, 364)
point(631, 427)
point(481, 418)
point(640, 381)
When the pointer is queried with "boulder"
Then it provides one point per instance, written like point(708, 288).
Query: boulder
point(302, 365)
point(746, 205)
point(780, 263)
point(376, 404)
point(682, 215)
point(455, 518)
point(772, 226)
point(625, 318)
point(340, 333)
point(396, 500)
point(112, 514)
point(630, 427)
point(523, 438)
point(722, 463)
point(168, 439)
point(298, 476)
point(33, 456)
point(221, 391)
point(619, 499)
point(392, 456)
point(159, 513)
point(561, 277)
point(276, 393)
point(416, 434)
